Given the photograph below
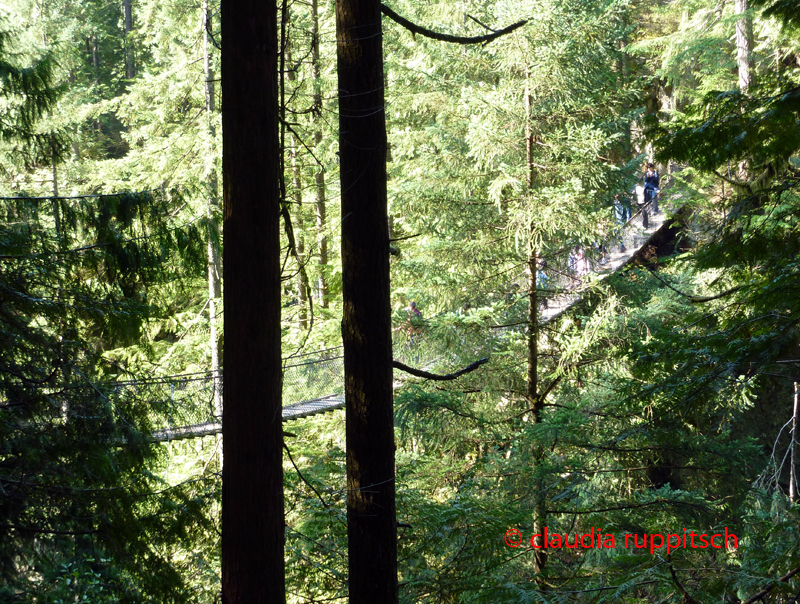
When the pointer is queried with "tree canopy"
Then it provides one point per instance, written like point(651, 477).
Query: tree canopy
point(663, 402)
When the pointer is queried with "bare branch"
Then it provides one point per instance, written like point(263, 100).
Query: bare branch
point(437, 377)
point(416, 29)
point(698, 299)
point(766, 590)
point(483, 25)
point(686, 596)
point(303, 478)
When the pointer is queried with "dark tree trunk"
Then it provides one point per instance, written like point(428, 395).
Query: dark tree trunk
point(211, 214)
point(744, 62)
point(130, 70)
point(252, 477)
point(322, 236)
point(319, 177)
point(299, 221)
point(366, 325)
point(534, 397)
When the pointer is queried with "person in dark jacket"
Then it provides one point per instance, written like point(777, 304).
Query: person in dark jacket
point(651, 187)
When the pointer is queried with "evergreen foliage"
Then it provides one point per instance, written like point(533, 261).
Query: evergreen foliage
point(668, 392)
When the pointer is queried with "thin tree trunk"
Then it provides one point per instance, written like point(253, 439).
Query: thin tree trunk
point(319, 177)
point(130, 70)
point(55, 184)
point(95, 55)
point(744, 62)
point(56, 205)
point(252, 476)
point(744, 45)
point(792, 466)
point(533, 261)
point(211, 207)
point(533, 296)
point(366, 321)
point(535, 401)
point(60, 245)
point(298, 218)
point(624, 70)
point(322, 236)
point(302, 276)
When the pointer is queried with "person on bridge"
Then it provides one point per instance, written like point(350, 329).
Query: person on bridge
point(414, 325)
point(542, 283)
point(651, 182)
point(639, 193)
point(622, 214)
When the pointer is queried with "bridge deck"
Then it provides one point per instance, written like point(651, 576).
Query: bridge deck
point(635, 238)
point(290, 412)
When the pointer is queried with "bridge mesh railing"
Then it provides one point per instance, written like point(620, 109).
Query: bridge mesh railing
point(195, 399)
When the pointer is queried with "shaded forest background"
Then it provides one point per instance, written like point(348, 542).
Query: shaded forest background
point(666, 402)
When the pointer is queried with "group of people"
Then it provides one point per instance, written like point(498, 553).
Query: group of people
point(579, 263)
point(578, 266)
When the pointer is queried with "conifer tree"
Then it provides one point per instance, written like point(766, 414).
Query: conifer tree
point(252, 472)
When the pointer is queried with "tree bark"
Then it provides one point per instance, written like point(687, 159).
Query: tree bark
point(322, 226)
point(303, 290)
point(744, 59)
point(130, 70)
point(252, 477)
point(535, 399)
point(366, 322)
point(95, 57)
point(744, 45)
point(211, 206)
point(319, 177)
point(533, 262)
point(302, 275)
point(792, 462)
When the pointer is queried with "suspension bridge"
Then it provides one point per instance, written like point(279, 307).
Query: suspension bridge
point(190, 405)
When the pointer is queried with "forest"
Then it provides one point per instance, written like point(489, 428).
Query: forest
point(340, 301)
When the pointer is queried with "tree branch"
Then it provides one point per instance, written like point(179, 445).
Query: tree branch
point(404, 238)
point(697, 299)
point(416, 29)
point(766, 590)
point(483, 25)
point(687, 598)
point(28, 529)
point(627, 507)
point(303, 478)
point(437, 377)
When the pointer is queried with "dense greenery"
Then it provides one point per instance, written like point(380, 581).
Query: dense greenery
point(664, 401)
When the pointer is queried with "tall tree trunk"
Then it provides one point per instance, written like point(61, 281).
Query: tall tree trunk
point(366, 323)
point(744, 62)
point(298, 217)
point(533, 261)
point(792, 445)
point(322, 226)
point(211, 207)
point(535, 401)
point(56, 205)
point(95, 57)
point(302, 275)
point(252, 476)
point(624, 70)
point(744, 45)
point(130, 70)
point(319, 177)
